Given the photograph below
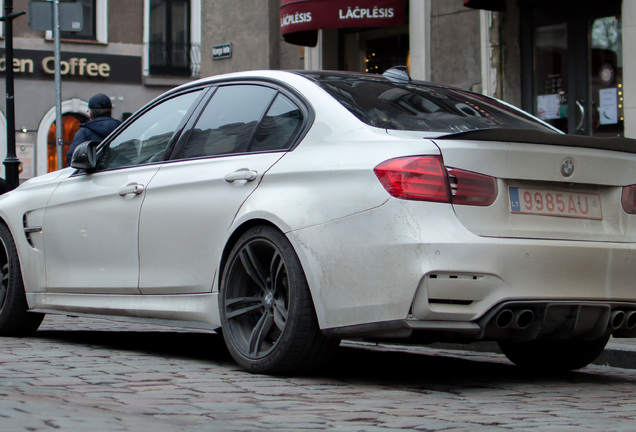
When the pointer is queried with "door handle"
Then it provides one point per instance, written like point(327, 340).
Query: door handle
point(579, 127)
point(131, 189)
point(244, 174)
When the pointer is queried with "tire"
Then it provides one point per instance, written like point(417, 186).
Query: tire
point(553, 355)
point(267, 313)
point(15, 320)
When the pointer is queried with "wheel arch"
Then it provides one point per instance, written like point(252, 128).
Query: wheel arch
point(19, 251)
point(15, 319)
point(231, 241)
point(6, 225)
point(247, 225)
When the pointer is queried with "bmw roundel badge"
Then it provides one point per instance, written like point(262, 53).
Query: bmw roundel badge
point(567, 167)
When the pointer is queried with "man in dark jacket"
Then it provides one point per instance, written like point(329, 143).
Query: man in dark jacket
point(100, 125)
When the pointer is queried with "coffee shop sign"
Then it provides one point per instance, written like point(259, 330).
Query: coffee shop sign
point(36, 64)
point(78, 66)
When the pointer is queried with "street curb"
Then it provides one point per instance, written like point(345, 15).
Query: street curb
point(618, 355)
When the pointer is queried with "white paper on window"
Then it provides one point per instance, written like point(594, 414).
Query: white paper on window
point(608, 106)
point(548, 106)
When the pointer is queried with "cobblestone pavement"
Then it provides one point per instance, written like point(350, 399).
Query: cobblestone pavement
point(81, 374)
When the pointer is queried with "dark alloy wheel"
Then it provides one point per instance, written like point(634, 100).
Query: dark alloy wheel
point(4, 285)
point(15, 320)
point(553, 355)
point(267, 314)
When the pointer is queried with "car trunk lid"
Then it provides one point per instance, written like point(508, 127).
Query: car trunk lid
point(547, 191)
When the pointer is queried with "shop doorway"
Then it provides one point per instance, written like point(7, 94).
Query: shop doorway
point(572, 68)
point(374, 50)
point(70, 125)
point(383, 54)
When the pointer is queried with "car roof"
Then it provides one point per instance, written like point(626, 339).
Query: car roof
point(312, 75)
point(510, 135)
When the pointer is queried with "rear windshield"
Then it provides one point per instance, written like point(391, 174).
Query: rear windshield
point(420, 107)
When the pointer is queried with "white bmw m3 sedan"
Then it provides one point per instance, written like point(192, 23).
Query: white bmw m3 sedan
point(291, 210)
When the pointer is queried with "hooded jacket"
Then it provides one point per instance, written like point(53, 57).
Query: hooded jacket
point(94, 130)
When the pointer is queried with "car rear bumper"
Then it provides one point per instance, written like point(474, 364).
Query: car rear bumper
point(415, 262)
point(513, 320)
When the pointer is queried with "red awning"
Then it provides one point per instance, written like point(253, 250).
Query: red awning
point(300, 20)
point(493, 5)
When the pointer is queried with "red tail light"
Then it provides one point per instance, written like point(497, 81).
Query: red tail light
point(628, 199)
point(415, 178)
point(425, 178)
point(470, 188)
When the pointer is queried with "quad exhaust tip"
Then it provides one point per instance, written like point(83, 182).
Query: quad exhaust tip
point(520, 319)
point(630, 320)
point(622, 320)
point(617, 319)
point(523, 318)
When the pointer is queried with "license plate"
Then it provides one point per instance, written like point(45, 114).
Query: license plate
point(555, 203)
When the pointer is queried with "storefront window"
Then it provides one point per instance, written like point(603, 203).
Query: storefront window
point(551, 74)
point(373, 50)
point(383, 54)
point(607, 76)
point(573, 78)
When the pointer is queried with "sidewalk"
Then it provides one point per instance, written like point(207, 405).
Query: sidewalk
point(620, 353)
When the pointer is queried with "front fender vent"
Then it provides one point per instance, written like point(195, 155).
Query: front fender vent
point(29, 230)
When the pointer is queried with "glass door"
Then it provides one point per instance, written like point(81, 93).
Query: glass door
point(606, 80)
point(572, 65)
point(550, 75)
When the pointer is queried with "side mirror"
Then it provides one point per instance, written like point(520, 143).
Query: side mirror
point(85, 156)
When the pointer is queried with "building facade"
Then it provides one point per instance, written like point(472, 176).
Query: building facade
point(565, 61)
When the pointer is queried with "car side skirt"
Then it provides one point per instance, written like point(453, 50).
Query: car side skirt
point(182, 310)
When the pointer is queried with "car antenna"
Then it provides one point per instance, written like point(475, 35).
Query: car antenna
point(397, 74)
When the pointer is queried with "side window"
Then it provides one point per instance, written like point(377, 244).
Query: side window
point(146, 139)
point(279, 127)
point(228, 122)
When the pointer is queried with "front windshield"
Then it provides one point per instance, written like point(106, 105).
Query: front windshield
point(419, 107)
